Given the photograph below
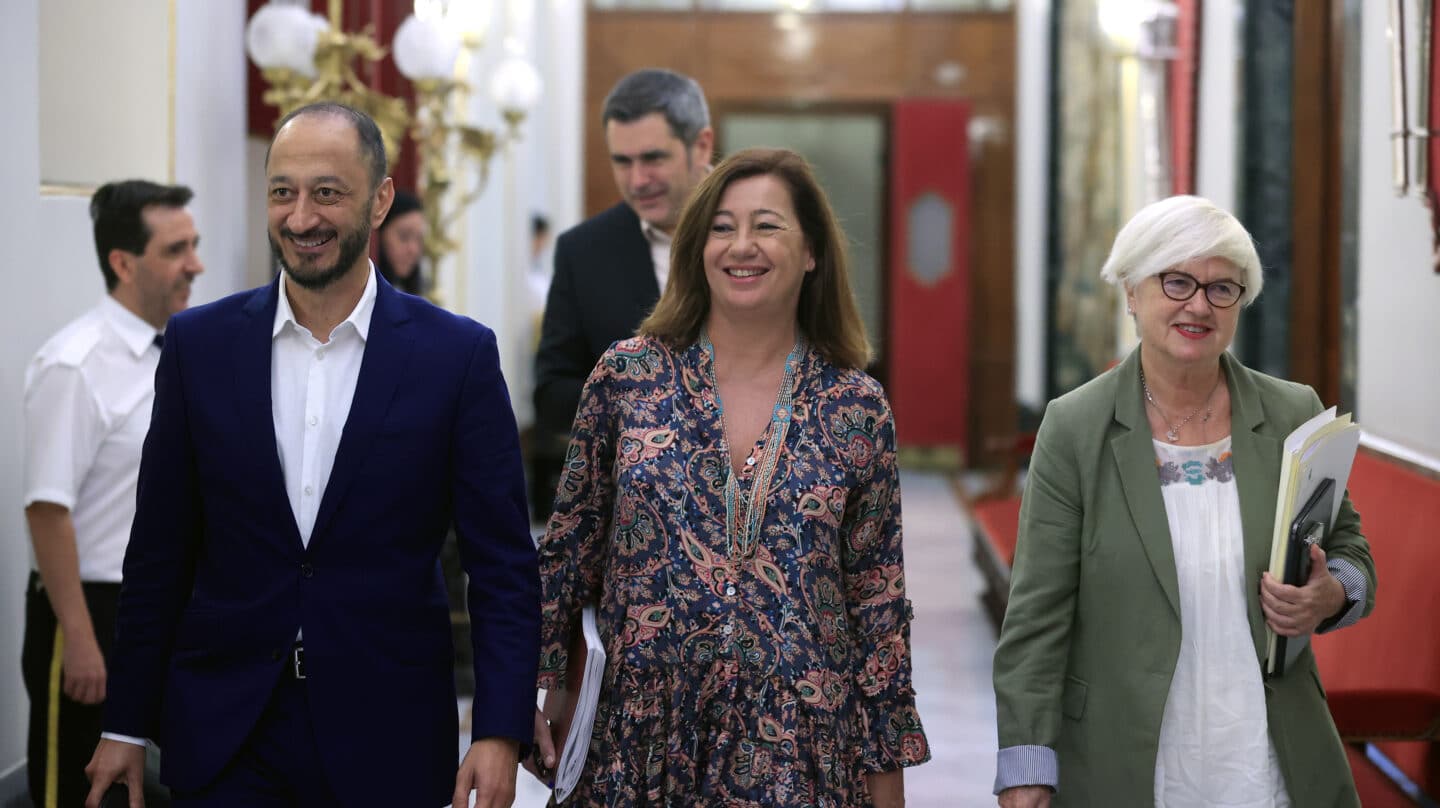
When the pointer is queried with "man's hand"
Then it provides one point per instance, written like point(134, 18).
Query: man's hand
point(1295, 611)
point(83, 667)
point(489, 769)
point(544, 751)
point(116, 762)
point(1025, 797)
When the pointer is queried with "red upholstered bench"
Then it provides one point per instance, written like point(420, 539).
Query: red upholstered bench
point(997, 524)
point(996, 514)
point(1382, 675)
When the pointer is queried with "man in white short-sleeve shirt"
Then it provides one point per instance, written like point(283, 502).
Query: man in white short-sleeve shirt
point(88, 394)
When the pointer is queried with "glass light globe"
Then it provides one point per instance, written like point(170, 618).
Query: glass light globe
point(515, 85)
point(424, 49)
point(282, 37)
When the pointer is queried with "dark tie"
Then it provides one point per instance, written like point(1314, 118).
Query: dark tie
point(159, 341)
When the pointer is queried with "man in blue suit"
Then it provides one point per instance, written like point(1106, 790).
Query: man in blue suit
point(283, 631)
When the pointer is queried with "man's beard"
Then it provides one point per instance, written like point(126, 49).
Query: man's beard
point(353, 245)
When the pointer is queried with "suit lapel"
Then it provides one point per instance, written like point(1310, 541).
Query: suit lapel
point(1135, 457)
point(256, 414)
point(387, 350)
point(1256, 459)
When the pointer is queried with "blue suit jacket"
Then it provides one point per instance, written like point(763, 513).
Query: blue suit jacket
point(217, 581)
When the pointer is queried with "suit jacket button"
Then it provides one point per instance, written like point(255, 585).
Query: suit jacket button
point(307, 570)
point(275, 655)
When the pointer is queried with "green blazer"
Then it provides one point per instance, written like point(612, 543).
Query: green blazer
point(1092, 632)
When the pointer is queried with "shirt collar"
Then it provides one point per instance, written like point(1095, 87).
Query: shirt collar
point(654, 235)
point(137, 334)
point(359, 318)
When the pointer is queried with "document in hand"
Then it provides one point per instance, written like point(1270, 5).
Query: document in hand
point(587, 696)
point(1321, 449)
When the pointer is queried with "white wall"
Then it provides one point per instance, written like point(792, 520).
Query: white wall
point(1217, 98)
point(540, 173)
point(51, 265)
point(1032, 195)
point(1398, 339)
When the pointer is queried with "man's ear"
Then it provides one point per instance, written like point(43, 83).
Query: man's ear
point(384, 197)
point(122, 264)
point(703, 150)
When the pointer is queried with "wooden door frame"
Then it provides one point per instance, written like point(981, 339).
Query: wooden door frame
point(1315, 290)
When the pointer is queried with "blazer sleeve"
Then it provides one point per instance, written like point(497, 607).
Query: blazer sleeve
point(1031, 657)
point(1347, 555)
point(496, 550)
point(563, 360)
point(159, 566)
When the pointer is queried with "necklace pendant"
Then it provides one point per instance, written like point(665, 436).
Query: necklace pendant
point(1170, 433)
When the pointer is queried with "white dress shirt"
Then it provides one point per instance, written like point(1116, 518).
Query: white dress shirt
point(659, 242)
point(311, 386)
point(88, 393)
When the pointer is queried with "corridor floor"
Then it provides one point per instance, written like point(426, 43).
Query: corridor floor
point(952, 643)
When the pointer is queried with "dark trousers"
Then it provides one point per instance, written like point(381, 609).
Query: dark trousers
point(63, 732)
point(279, 764)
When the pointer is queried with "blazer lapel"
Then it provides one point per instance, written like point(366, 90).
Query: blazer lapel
point(1135, 457)
point(387, 350)
point(1256, 459)
point(255, 414)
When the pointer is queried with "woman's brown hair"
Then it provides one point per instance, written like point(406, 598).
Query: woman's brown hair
point(827, 313)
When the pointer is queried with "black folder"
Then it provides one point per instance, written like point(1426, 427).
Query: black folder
point(1311, 526)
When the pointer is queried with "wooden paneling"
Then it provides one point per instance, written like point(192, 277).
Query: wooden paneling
point(825, 60)
point(1315, 288)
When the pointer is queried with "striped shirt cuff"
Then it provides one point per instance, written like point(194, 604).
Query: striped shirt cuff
point(1356, 587)
point(1027, 766)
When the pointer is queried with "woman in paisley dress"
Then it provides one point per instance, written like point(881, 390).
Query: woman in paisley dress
point(1128, 670)
point(731, 505)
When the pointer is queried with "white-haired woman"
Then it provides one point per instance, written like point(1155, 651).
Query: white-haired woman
point(1129, 666)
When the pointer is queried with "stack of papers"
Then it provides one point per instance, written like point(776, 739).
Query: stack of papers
point(1321, 448)
point(587, 696)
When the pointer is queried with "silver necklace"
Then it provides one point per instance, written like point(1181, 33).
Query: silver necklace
point(1172, 433)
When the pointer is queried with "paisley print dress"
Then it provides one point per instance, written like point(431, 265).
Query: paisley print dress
point(774, 673)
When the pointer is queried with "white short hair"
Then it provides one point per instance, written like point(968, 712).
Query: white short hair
point(1166, 234)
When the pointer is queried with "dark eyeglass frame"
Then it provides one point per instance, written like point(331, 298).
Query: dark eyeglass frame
point(1199, 287)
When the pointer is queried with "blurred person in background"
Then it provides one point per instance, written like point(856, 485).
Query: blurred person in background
point(402, 244)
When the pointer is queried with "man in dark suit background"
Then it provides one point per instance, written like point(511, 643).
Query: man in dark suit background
point(610, 268)
point(283, 630)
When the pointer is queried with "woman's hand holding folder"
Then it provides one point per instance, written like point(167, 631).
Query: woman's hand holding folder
point(552, 725)
point(1296, 611)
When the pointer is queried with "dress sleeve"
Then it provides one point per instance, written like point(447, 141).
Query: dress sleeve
point(878, 610)
point(572, 552)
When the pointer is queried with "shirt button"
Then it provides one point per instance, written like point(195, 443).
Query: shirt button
point(314, 419)
point(319, 356)
point(309, 490)
point(726, 629)
point(730, 590)
point(749, 461)
point(307, 570)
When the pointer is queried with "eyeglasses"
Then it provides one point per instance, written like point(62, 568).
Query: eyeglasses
point(1182, 286)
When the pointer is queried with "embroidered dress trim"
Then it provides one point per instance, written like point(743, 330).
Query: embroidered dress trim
point(743, 534)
